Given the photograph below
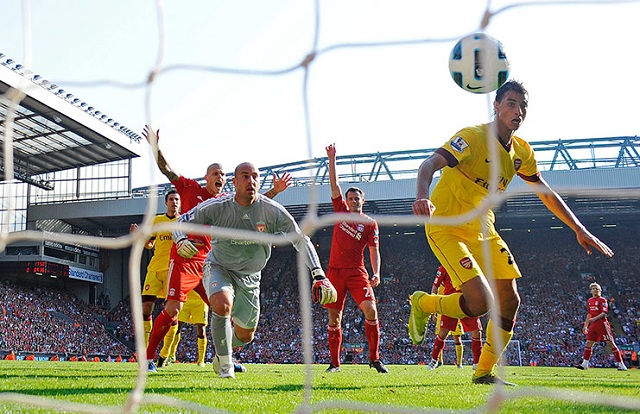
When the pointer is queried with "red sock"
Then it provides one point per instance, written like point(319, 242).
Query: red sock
point(335, 342)
point(160, 327)
point(476, 349)
point(587, 353)
point(372, 332)
point(616, 353)
point(438, 344)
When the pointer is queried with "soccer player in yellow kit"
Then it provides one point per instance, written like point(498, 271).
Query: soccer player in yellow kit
point(155, 282)
point(462, 187)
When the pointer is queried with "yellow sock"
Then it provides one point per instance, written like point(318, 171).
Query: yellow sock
point(168, 339)
point(443, 304)
point(202, 349)
point(147, 331)
point(174, 345)
point(459, 353)
point(490, 353)
point(440, 359)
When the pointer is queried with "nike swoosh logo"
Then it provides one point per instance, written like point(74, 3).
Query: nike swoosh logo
point(473, 88)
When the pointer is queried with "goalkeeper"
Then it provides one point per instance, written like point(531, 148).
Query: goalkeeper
point(232, 269)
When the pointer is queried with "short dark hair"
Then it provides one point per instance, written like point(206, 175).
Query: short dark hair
point(355, 190)
point(172, 191)
point(512, 85)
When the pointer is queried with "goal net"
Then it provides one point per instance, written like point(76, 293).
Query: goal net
point(332, 76)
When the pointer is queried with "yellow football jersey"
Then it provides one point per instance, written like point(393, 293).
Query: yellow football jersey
point(162, 247)
point(462, 187)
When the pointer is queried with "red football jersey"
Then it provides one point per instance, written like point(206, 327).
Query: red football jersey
point(597, 306)
point(443, 279)
point(349, 239)
point(192, 194)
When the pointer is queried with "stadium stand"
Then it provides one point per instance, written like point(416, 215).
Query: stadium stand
point(58, 194)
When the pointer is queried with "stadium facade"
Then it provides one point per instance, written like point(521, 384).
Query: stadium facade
point(72, 169)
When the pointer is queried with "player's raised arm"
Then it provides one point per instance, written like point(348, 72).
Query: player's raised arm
point(162, 163)
point(336, 191)
point(279, 184)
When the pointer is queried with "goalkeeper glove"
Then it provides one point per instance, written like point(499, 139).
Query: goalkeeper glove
point(322, 291)
point(186, 248)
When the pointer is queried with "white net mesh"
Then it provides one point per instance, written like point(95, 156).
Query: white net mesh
point(269, 68)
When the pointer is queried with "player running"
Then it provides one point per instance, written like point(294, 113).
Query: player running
point(460, 248)
point(185, 274)
point(598, 329)
point(233, 267)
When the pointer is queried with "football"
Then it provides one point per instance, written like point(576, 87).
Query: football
point(478, 63)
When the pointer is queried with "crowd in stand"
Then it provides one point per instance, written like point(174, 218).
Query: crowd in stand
point(554, 290)
point(43, 320)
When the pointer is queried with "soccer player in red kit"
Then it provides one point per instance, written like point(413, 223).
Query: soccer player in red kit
point(347, 271)
point(597, 328)
point(448, 324)
point(186, 274)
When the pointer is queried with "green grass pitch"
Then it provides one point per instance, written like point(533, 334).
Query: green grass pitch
point(273, 388)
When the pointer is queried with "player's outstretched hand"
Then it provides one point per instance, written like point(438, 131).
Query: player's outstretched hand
point(148, 134)
point(186, 248)
point(331, 150)
point(282, 183)
point(322, 291)
point(588, 240)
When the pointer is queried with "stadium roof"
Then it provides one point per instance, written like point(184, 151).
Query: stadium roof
point(52, 129)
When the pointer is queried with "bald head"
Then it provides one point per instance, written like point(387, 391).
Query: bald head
point(215, 179)
point(246, 179)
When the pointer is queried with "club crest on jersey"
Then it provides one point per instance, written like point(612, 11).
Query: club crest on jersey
point(466, 263)
point(458, 144)
point(261, 226)
point(360, 227)
point(517, 163)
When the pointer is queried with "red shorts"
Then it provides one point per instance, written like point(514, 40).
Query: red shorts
point(470, 323)
point(600, 331)
point(352, 280)
point(185, 275)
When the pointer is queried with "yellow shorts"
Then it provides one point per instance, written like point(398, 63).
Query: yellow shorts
point(155, 284)
point(460, 251)
point(194, 311)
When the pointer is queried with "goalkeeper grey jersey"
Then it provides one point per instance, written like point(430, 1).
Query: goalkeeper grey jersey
point(241, 255)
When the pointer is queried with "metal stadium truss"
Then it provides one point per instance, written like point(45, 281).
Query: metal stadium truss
point(67, 151)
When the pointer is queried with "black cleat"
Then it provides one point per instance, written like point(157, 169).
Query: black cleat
point(379, 366)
